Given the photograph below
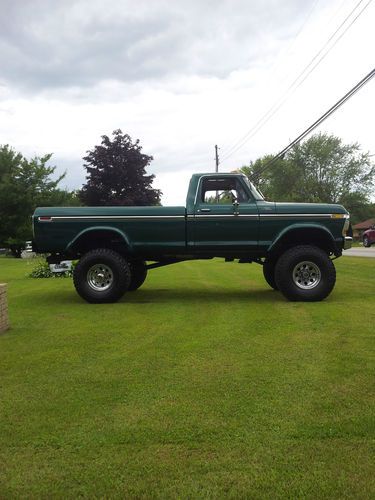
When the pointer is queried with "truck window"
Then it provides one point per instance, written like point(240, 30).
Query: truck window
point(223, 190)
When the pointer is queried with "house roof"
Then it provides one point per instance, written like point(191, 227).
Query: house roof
point(365, 224)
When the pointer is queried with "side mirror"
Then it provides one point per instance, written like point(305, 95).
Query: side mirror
point(235, 208)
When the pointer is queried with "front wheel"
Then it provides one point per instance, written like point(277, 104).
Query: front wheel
point(101, 276)
point(366, 242)
point(305, 273)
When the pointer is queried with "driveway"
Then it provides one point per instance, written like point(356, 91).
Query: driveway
point(360, 252)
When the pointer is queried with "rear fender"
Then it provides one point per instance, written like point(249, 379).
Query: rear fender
point(85, 233)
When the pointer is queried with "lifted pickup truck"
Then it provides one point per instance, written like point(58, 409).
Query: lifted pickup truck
point(225, 216)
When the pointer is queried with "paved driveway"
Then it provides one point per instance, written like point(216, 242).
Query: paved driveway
point(360, 252)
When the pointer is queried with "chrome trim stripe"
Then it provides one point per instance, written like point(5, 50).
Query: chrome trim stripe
point(296, 216)
point(264, 216)
point(110, 217)
point(226, 216)
point(198, 216)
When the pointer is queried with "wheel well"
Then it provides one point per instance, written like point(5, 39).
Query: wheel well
point(304, 236)
point(98, 239)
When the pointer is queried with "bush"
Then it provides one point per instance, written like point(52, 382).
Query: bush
point(42, 270)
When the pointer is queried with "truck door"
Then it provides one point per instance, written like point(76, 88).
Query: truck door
point(225, 215)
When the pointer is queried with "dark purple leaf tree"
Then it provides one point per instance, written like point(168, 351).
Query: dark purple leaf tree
point(116, 174)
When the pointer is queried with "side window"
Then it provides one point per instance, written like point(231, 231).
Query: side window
point(223, 190)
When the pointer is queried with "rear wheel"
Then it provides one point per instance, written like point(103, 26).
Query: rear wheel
point(138, 272)
point(101, 276)
point(269, 273)
point(305, 273)
point(366, 242)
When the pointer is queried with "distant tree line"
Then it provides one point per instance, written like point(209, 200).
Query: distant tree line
point(321, 169)
point(24, 185)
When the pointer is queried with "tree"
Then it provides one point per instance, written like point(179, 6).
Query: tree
point(262, 176)
point(117, 174)
point(24, 185)
point(321, 169)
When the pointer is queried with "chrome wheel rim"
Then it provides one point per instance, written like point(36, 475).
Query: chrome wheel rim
point(100, 277)
point(306, 275)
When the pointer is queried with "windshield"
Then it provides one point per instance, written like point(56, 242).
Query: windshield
point(257, 193)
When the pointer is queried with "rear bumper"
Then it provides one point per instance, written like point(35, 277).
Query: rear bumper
point(348, 242)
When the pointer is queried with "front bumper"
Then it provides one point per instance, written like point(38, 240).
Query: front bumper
point(348, 242)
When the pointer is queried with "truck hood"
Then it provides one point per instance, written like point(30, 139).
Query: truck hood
point(309, 208)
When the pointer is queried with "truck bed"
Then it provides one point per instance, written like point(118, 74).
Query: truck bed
point(59, 227)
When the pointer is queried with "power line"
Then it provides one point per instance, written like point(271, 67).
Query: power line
point(297, 82)
point(294, 85)
point(279, 61)
point(320, 120)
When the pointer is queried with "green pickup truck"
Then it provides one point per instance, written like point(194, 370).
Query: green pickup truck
point(225, 216)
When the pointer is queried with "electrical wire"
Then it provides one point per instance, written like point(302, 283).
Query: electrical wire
point(320, 120)
point(278, 104)
point(279, 60)
point(297, 82)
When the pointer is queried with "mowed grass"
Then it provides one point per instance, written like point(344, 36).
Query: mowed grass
point(204, 383)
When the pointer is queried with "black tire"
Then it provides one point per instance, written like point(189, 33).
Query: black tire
point(138, 272)
point(101, 276)
point(305, 273)
point(366, 242)
point(269, 273)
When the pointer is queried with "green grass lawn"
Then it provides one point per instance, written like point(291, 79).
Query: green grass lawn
point(204, 383)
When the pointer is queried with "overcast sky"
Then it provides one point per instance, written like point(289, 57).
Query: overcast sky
point(181, 76)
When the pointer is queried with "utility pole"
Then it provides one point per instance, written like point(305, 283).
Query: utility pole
point(216, 170)
point(216, 159)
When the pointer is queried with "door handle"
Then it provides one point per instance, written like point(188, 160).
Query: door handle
point(205, 210)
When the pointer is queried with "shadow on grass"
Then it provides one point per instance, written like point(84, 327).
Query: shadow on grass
point(165, 295)
point(168, 295)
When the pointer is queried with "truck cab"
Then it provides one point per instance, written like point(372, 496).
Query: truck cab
point(222, 213)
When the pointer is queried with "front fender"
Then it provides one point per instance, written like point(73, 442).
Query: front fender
point(289, 230)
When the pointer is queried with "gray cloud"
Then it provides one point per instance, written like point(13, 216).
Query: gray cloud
point(47, 44)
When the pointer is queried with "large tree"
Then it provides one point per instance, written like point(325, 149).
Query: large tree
point(321, 169)
point(24, 185)
point(116, 174)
